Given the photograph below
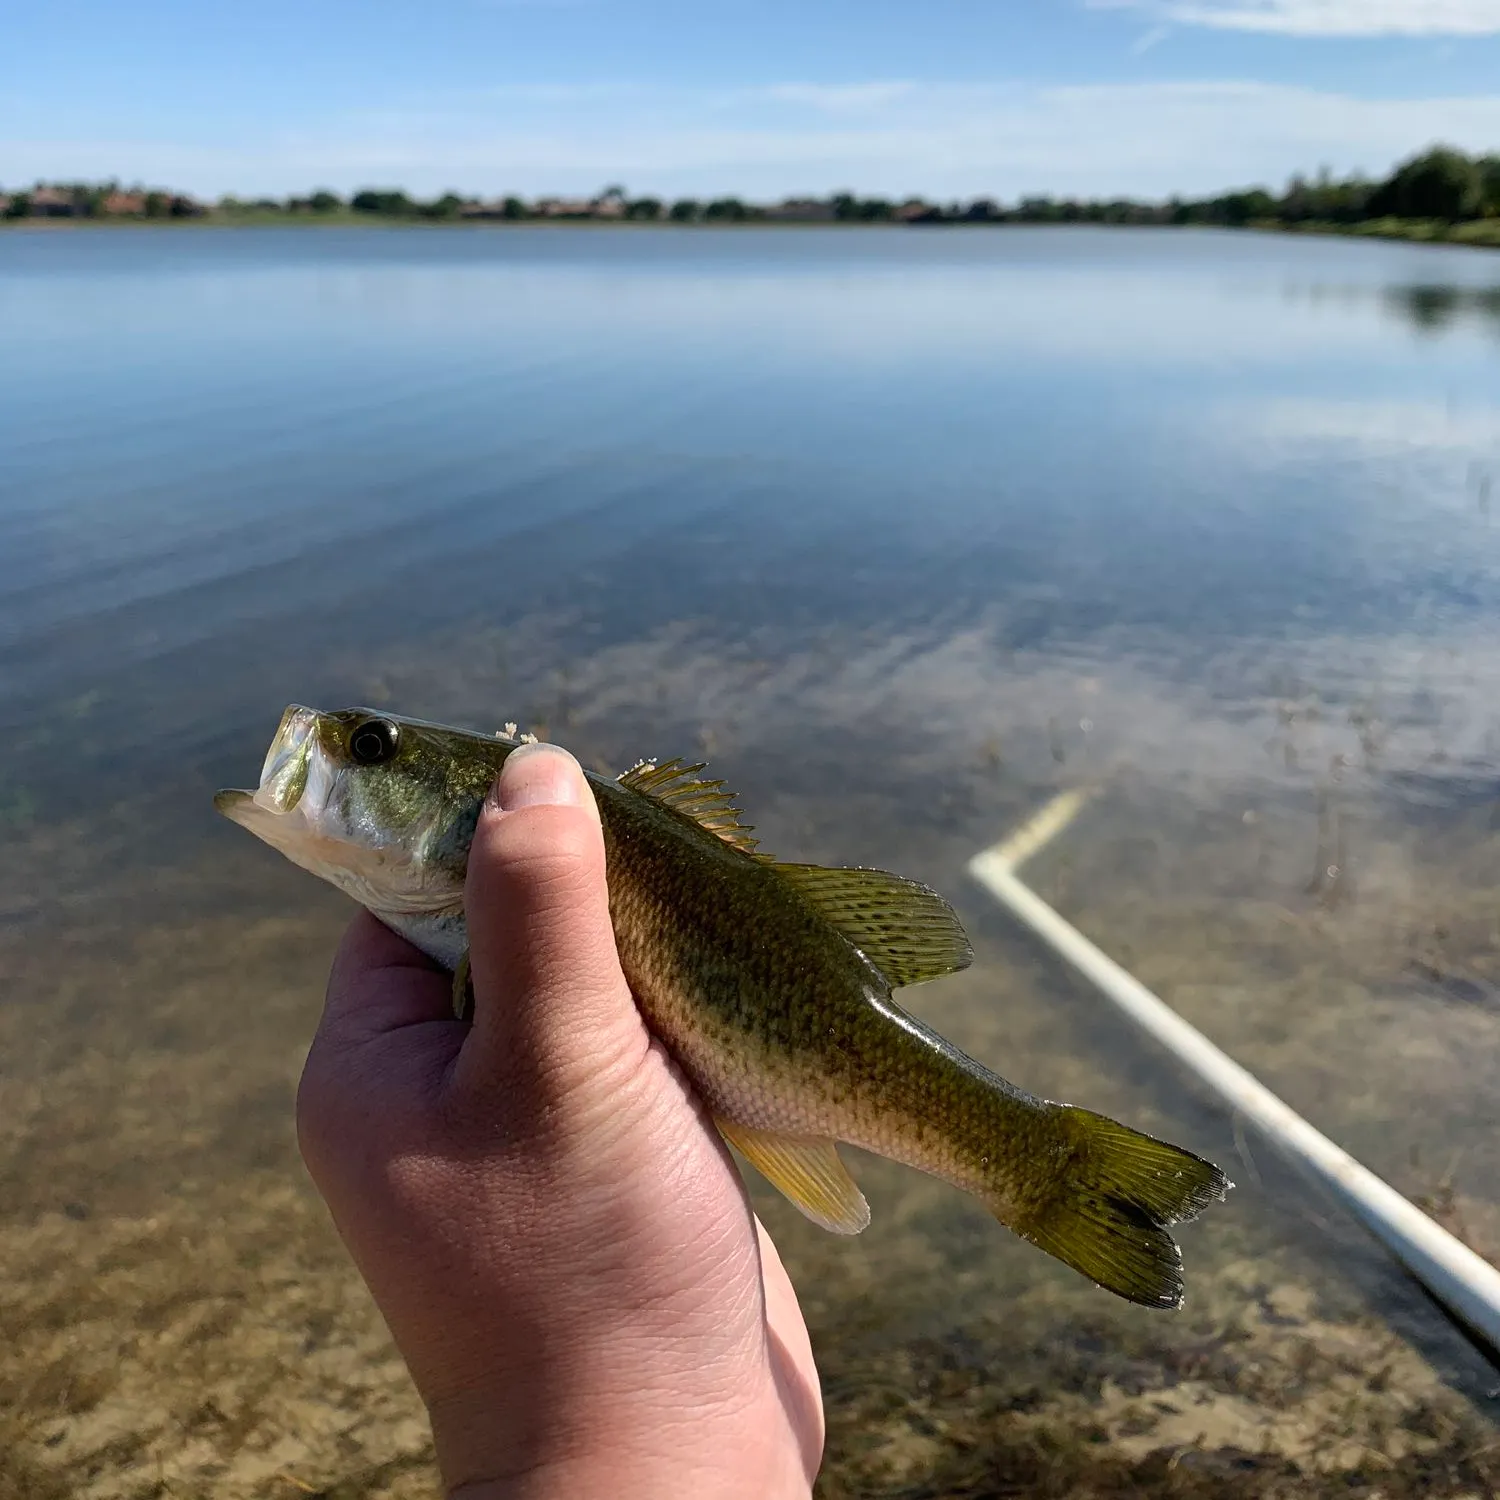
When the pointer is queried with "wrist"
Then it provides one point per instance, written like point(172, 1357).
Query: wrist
point(648, 1453)
point(617, 1479)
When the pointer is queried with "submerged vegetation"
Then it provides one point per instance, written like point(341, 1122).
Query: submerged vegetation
point(1440, 194)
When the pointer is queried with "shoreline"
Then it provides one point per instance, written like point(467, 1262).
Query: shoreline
point(1474, 234)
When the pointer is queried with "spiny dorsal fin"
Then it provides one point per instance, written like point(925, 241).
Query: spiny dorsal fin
point(905, 929)
point(808, 1170)
point(678, 786)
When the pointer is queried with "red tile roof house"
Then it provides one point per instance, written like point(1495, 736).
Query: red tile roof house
point(566, 208)
point(52, 203)
point(124, 203)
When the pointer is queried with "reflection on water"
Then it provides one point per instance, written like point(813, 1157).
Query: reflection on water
point(1440, 307)
point(904, 531)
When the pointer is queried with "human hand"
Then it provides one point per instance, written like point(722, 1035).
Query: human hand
point(545, 1214)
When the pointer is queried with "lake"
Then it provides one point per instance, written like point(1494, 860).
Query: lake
point(905, 531)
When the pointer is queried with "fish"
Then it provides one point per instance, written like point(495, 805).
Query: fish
point(770, 983)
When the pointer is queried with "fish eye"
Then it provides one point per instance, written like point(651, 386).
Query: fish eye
point(374, 741)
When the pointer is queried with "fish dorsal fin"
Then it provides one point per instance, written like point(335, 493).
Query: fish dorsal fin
point(678, 786)
point(905, 929)
point(807, 1170)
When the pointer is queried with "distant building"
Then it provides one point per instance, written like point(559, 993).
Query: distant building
point(52, 203)
point(565, 208)
point(117, 202)
point(915, 211)
point(802, 211)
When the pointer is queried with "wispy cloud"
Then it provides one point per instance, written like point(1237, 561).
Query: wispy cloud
point(840, 98)
point(943, 140)
point(1327, 17)
point(1149, 39)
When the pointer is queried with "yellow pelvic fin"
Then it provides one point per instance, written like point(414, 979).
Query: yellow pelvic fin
point(808, 1170)
point(905, 929)
point(678, 786)
point(461, 990)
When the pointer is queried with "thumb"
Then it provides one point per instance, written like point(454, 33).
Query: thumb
point(552, 1008)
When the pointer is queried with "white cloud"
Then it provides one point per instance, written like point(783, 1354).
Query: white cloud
point(1328, 17)
point(938, 139)
point(1149, 39)
point(839, 98)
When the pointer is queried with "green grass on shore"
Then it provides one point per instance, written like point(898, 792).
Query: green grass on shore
point(1481, 232)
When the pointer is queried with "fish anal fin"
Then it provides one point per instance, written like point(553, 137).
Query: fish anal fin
point(678, 785)
point(807, 1170)
point(905, 929)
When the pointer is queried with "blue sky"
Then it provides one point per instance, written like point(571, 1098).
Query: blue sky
point(946, 98)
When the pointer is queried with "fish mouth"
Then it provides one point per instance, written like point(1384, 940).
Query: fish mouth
point(284, 776)
point(295, 778)
point(291, 806)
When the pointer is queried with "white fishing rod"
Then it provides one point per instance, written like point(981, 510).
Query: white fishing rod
point(1462, 1281)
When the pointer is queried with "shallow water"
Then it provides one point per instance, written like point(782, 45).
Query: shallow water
point(905, 531)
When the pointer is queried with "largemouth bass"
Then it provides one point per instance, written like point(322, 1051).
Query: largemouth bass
point(769, 983)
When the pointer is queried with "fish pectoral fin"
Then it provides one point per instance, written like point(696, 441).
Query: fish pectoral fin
point(461, 990)
point(905, 929)
point(807, 1169)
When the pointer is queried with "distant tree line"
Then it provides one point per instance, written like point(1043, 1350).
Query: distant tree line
point(1441, 185)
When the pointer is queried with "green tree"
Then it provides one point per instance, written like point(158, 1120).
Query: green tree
point(324, 202)
point(382, 201)
point(726, 210)
point(513, 208)
point(158, 205)
point(643, 208)
point(684, 211)
point(1244, 207)
point(1439, 184)
point(1488, 168)
point(19, 206)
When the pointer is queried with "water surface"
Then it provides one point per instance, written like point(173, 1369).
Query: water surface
point(904, 530)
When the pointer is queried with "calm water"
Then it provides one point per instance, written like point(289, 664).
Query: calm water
point(905, 530)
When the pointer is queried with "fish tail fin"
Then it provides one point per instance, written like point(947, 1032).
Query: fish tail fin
point(1106, 1206)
